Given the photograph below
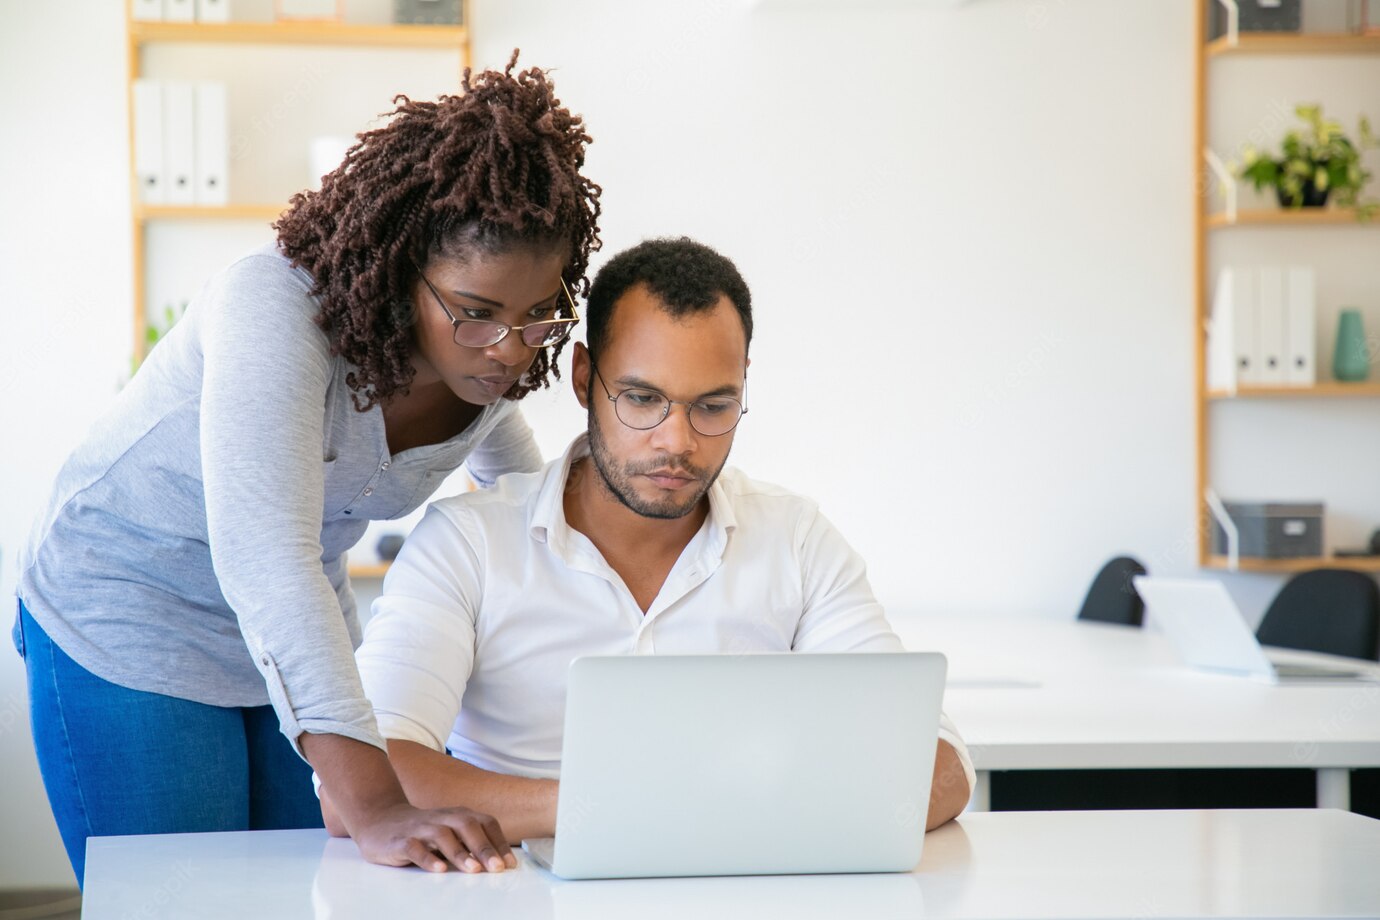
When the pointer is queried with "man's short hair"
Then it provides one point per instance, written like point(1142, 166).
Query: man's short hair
point(686, 276)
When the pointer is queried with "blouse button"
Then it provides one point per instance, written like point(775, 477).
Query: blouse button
point(369, 490)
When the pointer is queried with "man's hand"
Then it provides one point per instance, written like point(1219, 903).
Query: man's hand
point(525, 807)
point(365, 801)
point(949, 790)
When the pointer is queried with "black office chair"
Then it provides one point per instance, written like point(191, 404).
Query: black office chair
point(1325, 610)
point(1112, 598)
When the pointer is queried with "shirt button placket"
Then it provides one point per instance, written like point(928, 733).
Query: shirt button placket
point(383, 468)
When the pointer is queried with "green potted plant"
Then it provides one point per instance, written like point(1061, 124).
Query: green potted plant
point(1314, 163)
point(154, 332)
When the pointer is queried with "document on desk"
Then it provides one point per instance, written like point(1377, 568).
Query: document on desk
point(990, 683)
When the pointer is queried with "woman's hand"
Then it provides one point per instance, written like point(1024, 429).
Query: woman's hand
point(401, 835)
point(361, 797)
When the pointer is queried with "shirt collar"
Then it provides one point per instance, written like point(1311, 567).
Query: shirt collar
point(548, 524)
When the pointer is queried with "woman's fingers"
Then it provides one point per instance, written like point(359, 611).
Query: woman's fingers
point(432, 839)
point(419, 854)
point(445, 841)
point(483, 837)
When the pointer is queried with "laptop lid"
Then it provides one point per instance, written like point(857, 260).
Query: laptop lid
point(1204, 625)
point(746, 764)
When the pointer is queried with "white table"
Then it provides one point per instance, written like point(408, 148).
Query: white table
point(1284, 863)
point(1037, 694)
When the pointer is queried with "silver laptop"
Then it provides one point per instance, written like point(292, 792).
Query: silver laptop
point(682, 765)
point(1208, 631)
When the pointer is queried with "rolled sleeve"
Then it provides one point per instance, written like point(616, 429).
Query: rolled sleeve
point(419, 645)
point(266, 371)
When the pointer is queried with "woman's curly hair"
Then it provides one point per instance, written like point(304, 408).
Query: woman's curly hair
point(493, 169)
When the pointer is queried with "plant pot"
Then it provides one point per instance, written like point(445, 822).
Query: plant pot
point(1351, 356)
point(1312, 197)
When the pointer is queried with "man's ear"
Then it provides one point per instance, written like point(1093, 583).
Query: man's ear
point(579, 374)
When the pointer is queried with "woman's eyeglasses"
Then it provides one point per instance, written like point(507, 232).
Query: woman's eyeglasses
point(481, 333)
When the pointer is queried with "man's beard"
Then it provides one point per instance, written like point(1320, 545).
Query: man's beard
point(619, 480)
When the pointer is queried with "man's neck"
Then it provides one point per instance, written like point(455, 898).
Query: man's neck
point(640, 549)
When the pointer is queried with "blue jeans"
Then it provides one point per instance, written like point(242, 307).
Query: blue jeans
point(117, 761)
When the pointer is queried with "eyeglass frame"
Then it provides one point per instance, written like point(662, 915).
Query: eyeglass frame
point(568, 321)
point(666, 412)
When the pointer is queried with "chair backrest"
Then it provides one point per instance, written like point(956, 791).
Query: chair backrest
point(1112, 598)
point(1325, 610)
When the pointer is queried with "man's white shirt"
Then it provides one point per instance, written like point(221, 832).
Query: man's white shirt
point(494, 594)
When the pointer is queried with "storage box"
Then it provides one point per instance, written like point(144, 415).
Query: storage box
point(1256, 16)
point(1273, 530)
point(427, 12)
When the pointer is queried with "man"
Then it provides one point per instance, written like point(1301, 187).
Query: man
point(636, 541)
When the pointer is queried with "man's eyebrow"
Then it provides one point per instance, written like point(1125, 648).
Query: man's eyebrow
point(495, 303)
point(633, 381)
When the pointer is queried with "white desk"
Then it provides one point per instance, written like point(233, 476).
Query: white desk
point(1034, 694)
point(1286, 863)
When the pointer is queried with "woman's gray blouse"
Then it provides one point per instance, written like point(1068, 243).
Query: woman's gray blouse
point(194, 543)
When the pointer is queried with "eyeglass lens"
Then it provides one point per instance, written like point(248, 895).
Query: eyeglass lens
point(473, 333)
point(643, 409)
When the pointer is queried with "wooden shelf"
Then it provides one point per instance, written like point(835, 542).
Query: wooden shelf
point(260, 212)
point(1208, 228)
point(1294, 43)
point(1327, 390)
point(369, 571)
point(301, 33)
point(140, 35)
point(1352, 563)
point(1291, 217)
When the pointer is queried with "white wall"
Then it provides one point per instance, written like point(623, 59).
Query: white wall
point(64, 322)
point(984, 202)
point(966, 229)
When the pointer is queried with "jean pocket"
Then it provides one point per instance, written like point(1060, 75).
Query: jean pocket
point(17, 632)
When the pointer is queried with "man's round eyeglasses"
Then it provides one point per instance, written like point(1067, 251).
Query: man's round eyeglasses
point(642, 409)
point(481, 333)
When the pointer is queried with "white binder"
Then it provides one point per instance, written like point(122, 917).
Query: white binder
point(179, 10)
point(212, 145)
point(179, 142)
point(1233, 346)
point(1300, 298)
point(1244, 343)
point(1221, 344)
point(1272, 348)
point(146, 10)
point(213, 10)
point(148, 141)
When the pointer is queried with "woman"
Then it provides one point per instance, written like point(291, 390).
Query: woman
point(185, 616)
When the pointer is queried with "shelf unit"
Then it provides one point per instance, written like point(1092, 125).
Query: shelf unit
point(377, 570)
point(1291, 43)
point(1289, 217)
point(141, 35)
point(267, 213)
point(1327, 390)
point(1300, 45)
point(1302, 564)
point(300, 33)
